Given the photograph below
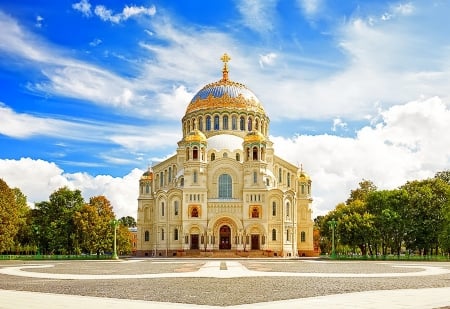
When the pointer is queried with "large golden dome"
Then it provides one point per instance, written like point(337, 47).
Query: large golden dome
point(225, 94)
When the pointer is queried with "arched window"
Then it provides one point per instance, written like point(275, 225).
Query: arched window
point(280, 178)
point(208, 123)
point(182, 182)
point(274, 234)
point(161, 179)
point(195, 153)
point(287, 235)
point(170, 174)
point(234, 123)
point(225, 186)
point(274, 208)
point(225, 122)
point(288, 178)
point(175, 234)
point(200, 123)
point(255, 153)
point(213, 156)
point(250, 121)
point(287, 209)
point(175, 208)
point(162, 209)
point(302, 236)
point(162, 234)
point(194, 212)
point(188, 126)
point(147, 236)
point(147, 188)
point(255, 212)
point(238, 157)
point(216, 122)
point(242, 124)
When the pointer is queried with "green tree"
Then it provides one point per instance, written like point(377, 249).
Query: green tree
point(123, 239)
point(128, 221)
point(54, 220)
point(356, 226)
point(361, 193)
point(427, 200)
point(9, 216)
point(93, 225)
point(389, 209)
point(24, 236)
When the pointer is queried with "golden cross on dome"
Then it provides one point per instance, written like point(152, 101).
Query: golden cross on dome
point(225, 58)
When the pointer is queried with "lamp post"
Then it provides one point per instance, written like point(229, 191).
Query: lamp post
point(332, 224)
point(36, 229)
point(115, 223)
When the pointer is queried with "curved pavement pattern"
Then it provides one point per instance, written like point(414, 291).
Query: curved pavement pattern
point(406, 298)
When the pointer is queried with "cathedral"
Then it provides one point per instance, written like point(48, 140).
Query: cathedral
point(225, 191)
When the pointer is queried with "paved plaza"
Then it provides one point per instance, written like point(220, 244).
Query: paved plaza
point(231, 283)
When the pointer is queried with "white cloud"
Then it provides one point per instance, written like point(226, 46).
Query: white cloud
point(84, 7)
point(106, 14)
point(410, 142)
point(267, 59)
point(95, 42)
point(258, 15)
point(403, 8)
point(37, 179)
point(129, 137)
point(39, 20)
point(338, 123)
point(310, 7)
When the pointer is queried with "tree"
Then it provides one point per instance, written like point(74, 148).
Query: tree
point(54, 220)
point(427, 200)
point(24, 234)
point(123, 239)
point(9, 216)
point(356, 226)
point(389, 209)
point(128, 221)
point(93, 225)
point(361, 193)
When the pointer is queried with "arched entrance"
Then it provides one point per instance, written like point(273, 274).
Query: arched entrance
point(225, 238)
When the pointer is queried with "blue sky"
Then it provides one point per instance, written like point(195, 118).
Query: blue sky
point(93, 92)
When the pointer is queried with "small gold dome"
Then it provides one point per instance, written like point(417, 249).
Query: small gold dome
point(303, 176)
point(148, 175)
point(195, 136)
point(254, 136)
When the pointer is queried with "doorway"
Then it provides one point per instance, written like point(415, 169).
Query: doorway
point(255, 242)
point(194, 242)
point(225, 238)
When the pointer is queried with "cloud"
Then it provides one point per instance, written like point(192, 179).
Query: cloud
point(122, 192)
point(257, 15)
point(409, 142)
point(95, 42)
point(39, 20)
point(129, 137)
point(84, 7)
point(310, 7)
point(267, 59)
point(338, 123)
point(128, 12)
